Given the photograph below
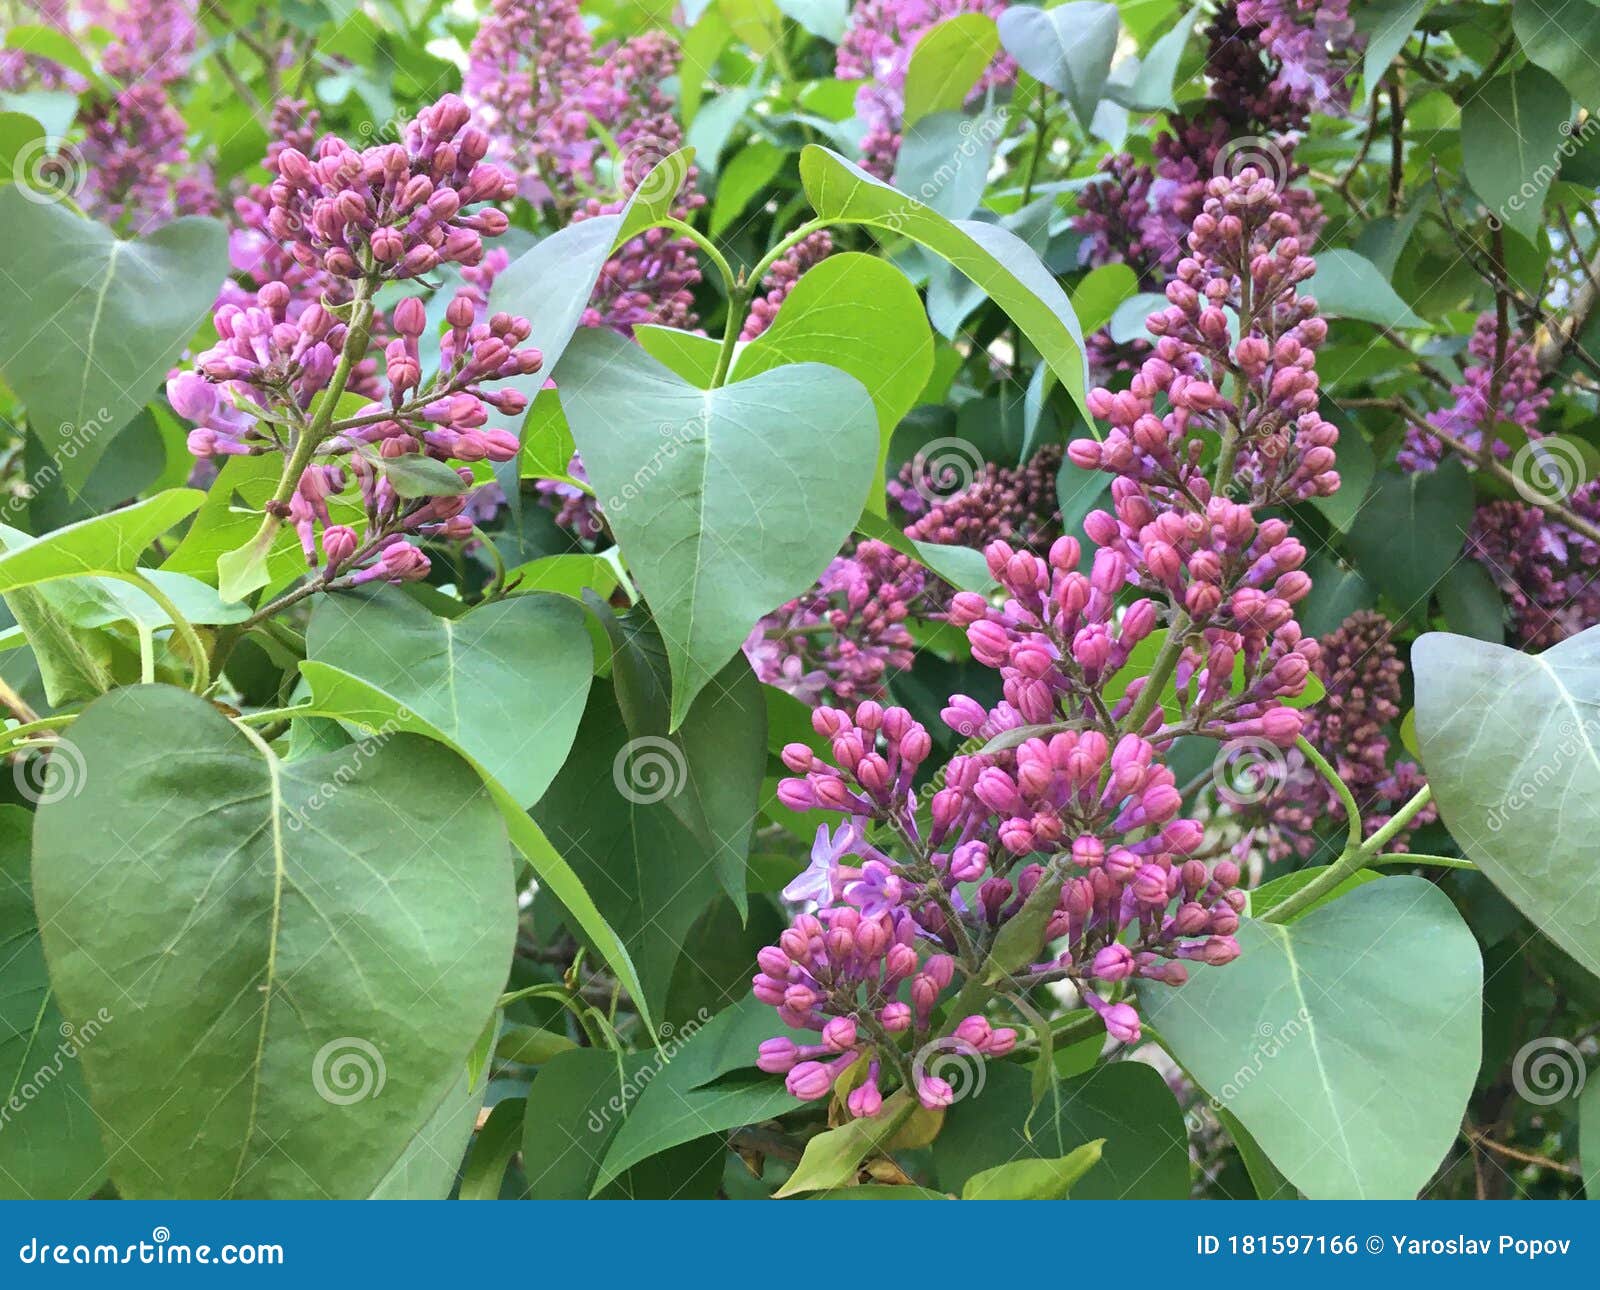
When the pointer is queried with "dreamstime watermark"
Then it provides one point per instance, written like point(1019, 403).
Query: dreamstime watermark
point(46, 173)
point(672, 1039)
point(50, 774)
point(74, 1039)
point(1271, 1042)
point(1250, 769)
point(348, 1070)
point(1548, 1070)
point(945, 467)
point(978, 136)
point(649, 770)
point(955, 1062)
point(71, 439)
point(1253, 152)
point(355, 757)
point(675, 436)
point(1532, 190)
point(1575, 739)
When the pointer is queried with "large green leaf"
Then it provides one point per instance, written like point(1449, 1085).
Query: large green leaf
point(1511, 137)
point(505, 684)
point(427, 1167)
point(337, 693)
point(106, 544)
point(649, 874)
point(302, 955)
point(859, 314)
point(689, 1100)
point(725, 502)
point(1561, 36)
point(946, 62)
point(1068, 48)
point(49, 1140)
point(1146, 1152)
point(100, 321)
point(1510, 745)
point(1410, 531)
point(1031, 1179)
point(1346, 1042)
point(1348, 285)
point(995, 259)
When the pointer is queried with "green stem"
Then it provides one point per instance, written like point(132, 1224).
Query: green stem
point(1346, 798)
point(787, 243)
point(1417, 857)
point(199, 660)
point(14, 736)
point(1352, 859)
point(1160, 674)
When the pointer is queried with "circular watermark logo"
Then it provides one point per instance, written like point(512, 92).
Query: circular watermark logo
point(945, 467)
point(52, 774)
point(954, 1061)
point(1547, 1070)
point(347, 1070)
point(1249, 770)
point(649, 769)
point(1253, 152)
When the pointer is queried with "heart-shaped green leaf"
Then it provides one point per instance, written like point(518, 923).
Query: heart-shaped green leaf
point(303, 952)
point(1511, 747)
point(859, 314)
point(725, 502)
point(100, 321)
point(1346, 1042)
point(1068, 48)
point(505, 684)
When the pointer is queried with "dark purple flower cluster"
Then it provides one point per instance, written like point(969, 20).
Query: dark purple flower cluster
point(876, 50)
point(781, 278)
point(842, 640)
point(1015, 504)
point(1548, 572)
point(1523, 398)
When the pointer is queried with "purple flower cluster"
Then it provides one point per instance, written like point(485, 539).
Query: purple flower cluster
point(576, 509)
point(253, 391)
point(1067, 810)
point(1549, 573)
point(1361, 673)
point(841, 640)
point(395, 210)
point(1015, 504)
point(1523, 397)
point(1312, 41)
point(20, 70)
point(1140, 215)
point(781, 278)
point(876, 50)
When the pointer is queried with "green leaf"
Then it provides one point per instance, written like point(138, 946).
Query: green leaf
point(1388, 24)
point(961, 566)
point(50, 1143)
point(649, 874)
point(54, 46)
point(414, 475)
point(1096, 298)
point(1126, 1104)
point(689, 1099)
point(105, 544)
point(726, 502)
point(1269, 1183)
point(753, 167)
point(825, 18)
point(1346, 1042)
point(1069, 48)
point(946, 62)
point(1277, 890)
point(304, 952)
point(1348, 285)
point(1471, 603)
point(349, 698)
point(105, 319)
point(692, 357)
point(1510, 747)
point(576, 1106)
point(832, 1158)
point(1511, 139)
point(995, 259)
point(427, 1168)
point(504, 684)
point(22, 142)
point(1152, 88)
point(859, 314)
point(498, 1140)
point(944, 160)
point(1561, 37)
point(1411, 531)
point(1034, 1179)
